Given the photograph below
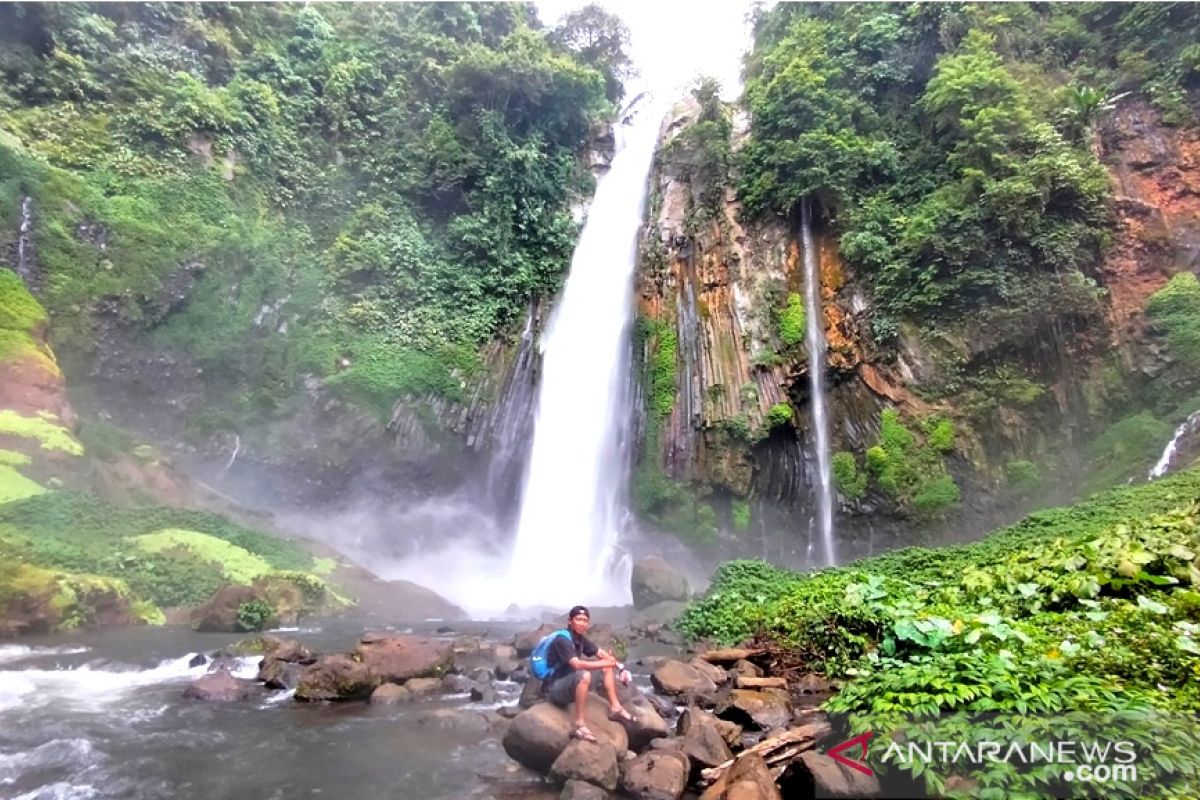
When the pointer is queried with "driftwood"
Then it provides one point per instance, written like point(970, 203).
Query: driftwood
point(777, 751)
point(732, 655)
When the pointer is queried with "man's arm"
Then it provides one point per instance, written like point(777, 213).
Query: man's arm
point(593, 663)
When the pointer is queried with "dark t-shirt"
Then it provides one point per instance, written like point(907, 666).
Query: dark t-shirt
point(563, 650)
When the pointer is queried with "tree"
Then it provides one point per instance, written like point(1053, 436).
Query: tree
point(599, 39)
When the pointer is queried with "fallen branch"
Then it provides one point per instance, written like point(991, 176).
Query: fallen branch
point(778, 750)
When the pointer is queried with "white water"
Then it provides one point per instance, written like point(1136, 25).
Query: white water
point(23, 239)
point(1189, 425)
point(566, 548)
point(816, 379)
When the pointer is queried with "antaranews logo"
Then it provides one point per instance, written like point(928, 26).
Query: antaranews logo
point(859, 763)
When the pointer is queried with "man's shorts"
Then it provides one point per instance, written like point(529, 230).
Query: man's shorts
point(562, 691)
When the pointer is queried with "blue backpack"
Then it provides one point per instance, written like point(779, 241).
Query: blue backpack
point(537, 659)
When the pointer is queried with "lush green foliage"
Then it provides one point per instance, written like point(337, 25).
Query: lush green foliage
point(951, 141)
point(1176, 307)
point(851, 482)
point(1079, 616)
point(912, 471)
point(255, 615)
point(19, 310)
point(701, 156)
point(791, 321)
point(1129, 447)
point(44, 428)
point(740, 514)
point(779, 415)
point(1022, 475)
point(168, 556)
point(276, 189)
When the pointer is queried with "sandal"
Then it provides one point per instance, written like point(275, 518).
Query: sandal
point(582, 732)
point(620, 715)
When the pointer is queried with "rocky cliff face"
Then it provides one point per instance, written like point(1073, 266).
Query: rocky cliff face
point(1024, 389)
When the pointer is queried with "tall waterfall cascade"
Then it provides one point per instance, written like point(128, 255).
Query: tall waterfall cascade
point(817, 349)
point(567, 544)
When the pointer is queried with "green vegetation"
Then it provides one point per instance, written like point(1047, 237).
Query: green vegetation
point(779, 415)
point(14, 485)
point(851, 483)
point(255, 615)
point(739, 512)
point(164, 556)
point(1176, 308)
point(19, 311)
point(43, 428)
point(364, 194)
point(792, 321)
point(1126, 448)
point(700, 155)
point(912, 472)
point(1022, 476)
point(1093, 608)
point(952, 143)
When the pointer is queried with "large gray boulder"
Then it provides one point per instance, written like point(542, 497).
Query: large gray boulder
point(578, 790)
point(593, 762)
point(656, 775)
point(336, 677)
point(831, 779)
point(539, 734)
point(654, 580)
point(397, 658)
point(219, 687)
point(676, 678)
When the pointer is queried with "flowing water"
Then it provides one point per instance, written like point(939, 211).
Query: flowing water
point(25, 240)
point(817, 348)
point(102, 716)
point(566, 549)
point(1189, 426)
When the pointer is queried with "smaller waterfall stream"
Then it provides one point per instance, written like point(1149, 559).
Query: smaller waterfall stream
point(1189, 426)
point(25, 240)
point(817, 348)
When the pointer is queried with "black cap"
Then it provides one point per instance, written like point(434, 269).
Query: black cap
point(577, 610)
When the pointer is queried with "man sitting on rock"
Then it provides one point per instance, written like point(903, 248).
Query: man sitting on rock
point(573, 662)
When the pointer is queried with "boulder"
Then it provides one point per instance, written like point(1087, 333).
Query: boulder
point(483, 693)
point(711, 671)
point(423, 687)
point(654, 580)
point(750, 779)
point(531, 693)
point(578, 790)
point(456, 683)
point(731, 732)
point(593, 762)
point(220, 612)
point(744, 682)
point(524, 643)
point(704, 745)
point(675, 677)
point(831, 779)
point(647, 724)
point(764, 710)
point(336, 677)
point(277, 674)
point(390, 694)
point(747, 669)
point(219, 687)
point(396, 658)
point(656, 775)
point(285, 649)
point(538, 735)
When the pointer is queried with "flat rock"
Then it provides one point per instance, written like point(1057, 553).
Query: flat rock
point(675, 678)
point(593, 762)
point(396, 658)
point(655, 775)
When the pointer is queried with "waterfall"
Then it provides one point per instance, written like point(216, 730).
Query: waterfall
point(816, 378)
point(25, 240)
point(567, 535)
point(1189, 426)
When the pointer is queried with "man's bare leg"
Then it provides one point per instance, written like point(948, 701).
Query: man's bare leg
point(581, 693)
point(610, 688)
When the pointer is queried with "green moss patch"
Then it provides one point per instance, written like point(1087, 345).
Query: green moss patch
point(14, 485)
point(44, 428)
point(237, 564)
point(19, 311)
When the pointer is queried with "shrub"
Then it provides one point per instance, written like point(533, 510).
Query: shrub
point(779, 415)
point(851, 483)
point(254, 615)
point(792, 321)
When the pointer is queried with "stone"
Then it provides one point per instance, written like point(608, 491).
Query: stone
point(456, 720)
point(731, 732)
point(390, 694)
point(277, 674)
point(220, 612)
point(457, 683)
point(578, 790)
point(219, 687)
point(831, 779)
point(531, 693)
point(731, 655)
point(198, 660)
point(336, 677)
point(483, 693)
point(524, 643)
point(647, 724)
point(762, 709)
point(655, 775)
point(423, 687)
point(660, 614)
point(704, 745)
point(655, 580)
point(748, 669)
point(538, 735)
point(750, 779)
point(711, 671)
point(675, 677)
point(396, 658)
point(593, 762)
